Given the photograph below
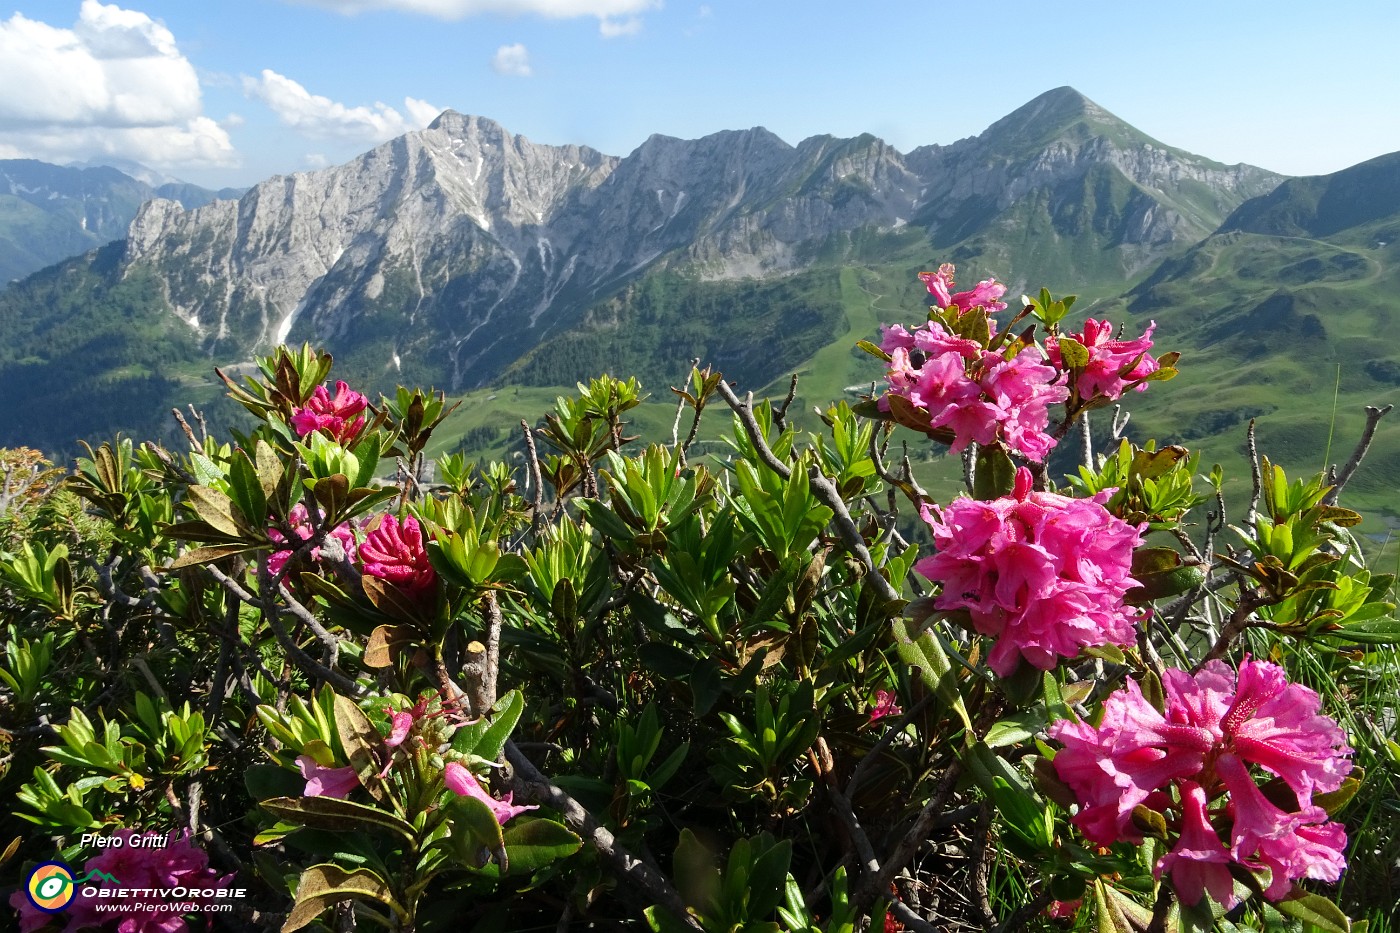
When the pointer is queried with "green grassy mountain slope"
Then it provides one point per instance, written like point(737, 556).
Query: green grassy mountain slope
point(1288, 315)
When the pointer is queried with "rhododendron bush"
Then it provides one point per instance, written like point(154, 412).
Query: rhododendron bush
point(777, 688)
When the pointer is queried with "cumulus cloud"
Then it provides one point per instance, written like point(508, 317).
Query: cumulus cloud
point(322, 118)
point(460, 9)
point(612, 28)
point(512, 60)
point(115, 84)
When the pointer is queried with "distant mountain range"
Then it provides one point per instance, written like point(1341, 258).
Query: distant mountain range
point(51, 212)
point(463, 256)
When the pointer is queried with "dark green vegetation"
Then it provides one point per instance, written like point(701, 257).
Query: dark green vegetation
point(756, 328)
point(102, 358)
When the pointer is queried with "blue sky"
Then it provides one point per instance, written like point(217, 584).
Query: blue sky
point(229, 92)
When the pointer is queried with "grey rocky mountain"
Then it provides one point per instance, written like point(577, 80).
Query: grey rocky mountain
point(453, 250)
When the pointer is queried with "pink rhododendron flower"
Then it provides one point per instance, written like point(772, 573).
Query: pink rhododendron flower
point(1199, 863)
point(1196, 759)
point(463, 783)
point(885, 705)
point(976, 394)
point(395, 553)
point(1042, 573)
point(1113, 364)
point(339, 416)
point(984, 294)
point(1063, 910)
point(326, 782)
point(300, 521)
point(401, 724)
point(178, 865)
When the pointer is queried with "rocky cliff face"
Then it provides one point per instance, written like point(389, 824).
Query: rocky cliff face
point(457, 248)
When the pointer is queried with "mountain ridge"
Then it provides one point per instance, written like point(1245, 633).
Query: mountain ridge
point(51, 212)
point(461, 254)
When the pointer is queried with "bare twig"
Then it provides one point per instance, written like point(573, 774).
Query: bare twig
point(1029, 911)
point(1121, 417)
point(1086, 440)
point(981, 855)
point(492, 610)
point(272, 613)
point(536, 481)
point(631, 870)
point(1251, 447)
point(780, 416)
point(873, 886)
point(890, 734)
point(185, 427)
point(1373, 417)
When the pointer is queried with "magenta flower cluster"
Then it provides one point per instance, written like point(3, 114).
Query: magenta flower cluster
point(300, 521)
point(1113, 364)
point(978, 395)
point(986, 294)
point(395, 553)
point(961, 386)
point(1197, 763)
point(1043, 574)
point(340, 417)
point(178, 865)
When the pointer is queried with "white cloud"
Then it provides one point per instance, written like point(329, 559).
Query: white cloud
point(512, 60)
point(420, 112)
point(322, 118)
point(315, 160)
point(115, 84)
point(460, 9)
point(612, 28)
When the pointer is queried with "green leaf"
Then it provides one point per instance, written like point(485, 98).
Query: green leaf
point(361, 741)
point(1378, 632)
point(216, 509)
point(1111, 653)
point(1075, 355)
point(1114, 912)
point(333, 814)
point(926, 655)
point(1315, 910)
point(1016, 729)
point(265, 781)
point(873, 350)
point(502, 725)
point(245, 488)
point(474, 827)
point(532, 844)
point(324, 885)
point(995, 474)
